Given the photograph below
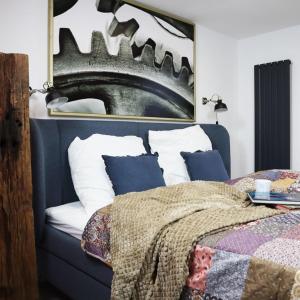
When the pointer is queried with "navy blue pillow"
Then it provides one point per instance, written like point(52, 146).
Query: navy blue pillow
point(206, 165)
point(133, 173)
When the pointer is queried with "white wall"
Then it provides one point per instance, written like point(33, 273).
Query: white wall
point(216, 63)
point(274, 46)
point(23, 28)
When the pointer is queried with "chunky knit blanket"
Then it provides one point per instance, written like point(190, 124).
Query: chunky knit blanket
point(153, 233)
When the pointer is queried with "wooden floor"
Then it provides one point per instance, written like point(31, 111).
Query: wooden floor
point(48, 292)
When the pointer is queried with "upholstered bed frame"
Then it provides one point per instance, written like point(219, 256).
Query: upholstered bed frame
point(60, 258)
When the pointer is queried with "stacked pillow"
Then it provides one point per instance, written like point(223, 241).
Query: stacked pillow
point(91, 182)
point(169, 143)
point(103, 166)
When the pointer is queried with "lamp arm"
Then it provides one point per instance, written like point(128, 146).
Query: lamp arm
point(33, 91)
point(46, 86)
point(205, 100)
point(215, 95)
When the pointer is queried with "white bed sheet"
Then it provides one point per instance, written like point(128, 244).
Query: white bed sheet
point(70, 218)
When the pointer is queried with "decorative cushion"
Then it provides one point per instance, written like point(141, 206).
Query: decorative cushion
point(169, 143)
point(91, 182)
point(205, 165)
point(133, 173)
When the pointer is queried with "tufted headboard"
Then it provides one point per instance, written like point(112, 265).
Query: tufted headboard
point(50, 139)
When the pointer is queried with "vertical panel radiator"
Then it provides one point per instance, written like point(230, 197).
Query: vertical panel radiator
point(272, 115)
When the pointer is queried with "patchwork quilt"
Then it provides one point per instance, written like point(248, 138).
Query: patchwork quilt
point(258, 260)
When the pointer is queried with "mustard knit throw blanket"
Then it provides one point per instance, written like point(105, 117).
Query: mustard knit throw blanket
point(154, 231)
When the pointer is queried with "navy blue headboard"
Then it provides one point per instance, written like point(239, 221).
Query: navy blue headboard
point(50, 139)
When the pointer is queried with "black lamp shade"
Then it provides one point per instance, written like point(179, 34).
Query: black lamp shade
point(220, 106)
point(54, 98)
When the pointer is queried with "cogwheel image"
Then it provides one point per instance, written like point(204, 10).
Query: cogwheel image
point(127, 85)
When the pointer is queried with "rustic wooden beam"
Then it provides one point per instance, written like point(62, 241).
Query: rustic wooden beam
point(18, 275)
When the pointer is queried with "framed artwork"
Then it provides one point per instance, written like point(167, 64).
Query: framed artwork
point(121, 59)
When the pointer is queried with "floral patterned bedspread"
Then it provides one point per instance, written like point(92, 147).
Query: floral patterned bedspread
point(250, 261)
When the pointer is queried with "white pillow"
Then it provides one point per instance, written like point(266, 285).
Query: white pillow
point(90, 180)
point(169, 143)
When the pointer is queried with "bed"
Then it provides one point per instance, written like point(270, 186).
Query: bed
point(61, 260)
point(240, 251)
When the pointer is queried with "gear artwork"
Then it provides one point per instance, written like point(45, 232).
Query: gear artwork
point(130, 83)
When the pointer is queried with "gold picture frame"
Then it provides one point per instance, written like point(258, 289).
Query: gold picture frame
point(186, 103)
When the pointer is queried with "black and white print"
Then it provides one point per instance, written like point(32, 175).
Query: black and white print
point(116, 59)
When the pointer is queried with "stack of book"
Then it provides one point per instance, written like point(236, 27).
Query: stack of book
point(280, 200)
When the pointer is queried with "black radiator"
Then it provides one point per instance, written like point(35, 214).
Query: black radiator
point(272, 115)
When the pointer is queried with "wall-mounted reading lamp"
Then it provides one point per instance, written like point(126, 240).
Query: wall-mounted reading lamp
point(220, 106)
point(53, 98)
